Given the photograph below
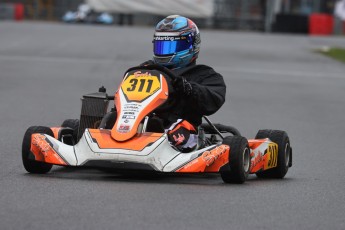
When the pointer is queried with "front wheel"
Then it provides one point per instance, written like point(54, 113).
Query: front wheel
point(29, 162)
point(284, 153)
point(237, 170)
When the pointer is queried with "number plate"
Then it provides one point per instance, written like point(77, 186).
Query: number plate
point(140, 86)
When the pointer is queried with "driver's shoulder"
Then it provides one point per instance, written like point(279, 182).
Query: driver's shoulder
point(197, 69)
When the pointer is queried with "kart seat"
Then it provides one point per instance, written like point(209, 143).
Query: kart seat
point(155, 125)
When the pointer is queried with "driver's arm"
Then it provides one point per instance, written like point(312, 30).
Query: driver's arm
point(208, 93)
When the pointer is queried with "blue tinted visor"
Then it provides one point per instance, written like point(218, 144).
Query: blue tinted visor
point(170, 47)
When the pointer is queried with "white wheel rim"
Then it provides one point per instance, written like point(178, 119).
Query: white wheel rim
point(246, 160)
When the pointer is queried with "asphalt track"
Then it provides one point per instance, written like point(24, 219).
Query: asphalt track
point(274, 81)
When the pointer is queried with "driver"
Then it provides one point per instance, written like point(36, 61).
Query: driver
point(199, 90)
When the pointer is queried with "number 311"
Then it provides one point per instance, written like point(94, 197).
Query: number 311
point(134, 83)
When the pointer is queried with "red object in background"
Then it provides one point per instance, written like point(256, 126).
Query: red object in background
point(321, 24)
point(18, 12)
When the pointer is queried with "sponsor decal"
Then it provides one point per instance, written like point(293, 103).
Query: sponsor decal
point(140, 74)
point(211, 156)
point(42, 145)
point(169, 38)
point(131, 108)
point(166, 38)
point(178, 140)
point(124, 128)
point(128, 117)
point(256, 160)
point(272, 150)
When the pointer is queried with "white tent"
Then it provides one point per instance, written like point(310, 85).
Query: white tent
point(340, 9)
point(188, 8)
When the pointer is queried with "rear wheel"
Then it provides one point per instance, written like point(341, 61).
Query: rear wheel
point(237, 170)
point(29, 162)
point(73, 124)
point(284, 152)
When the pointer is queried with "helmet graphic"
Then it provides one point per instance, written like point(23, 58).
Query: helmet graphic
point(176, 42)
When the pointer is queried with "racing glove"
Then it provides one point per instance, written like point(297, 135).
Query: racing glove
point(183, 136)
point(181, 85)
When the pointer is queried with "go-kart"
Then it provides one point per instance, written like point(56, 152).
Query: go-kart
point(88, 17)
point(134, 139)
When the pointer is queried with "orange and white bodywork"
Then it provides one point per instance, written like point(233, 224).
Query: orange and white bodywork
point(140, 93)
point(147, 151)
point(128, 146)
point(264, 154)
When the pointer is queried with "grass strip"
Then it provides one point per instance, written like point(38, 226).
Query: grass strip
point(333, 52)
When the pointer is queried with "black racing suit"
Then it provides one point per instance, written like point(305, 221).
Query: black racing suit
point(207, 96)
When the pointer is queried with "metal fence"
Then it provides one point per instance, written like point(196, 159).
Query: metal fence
point(228, 14)
point(44, 9)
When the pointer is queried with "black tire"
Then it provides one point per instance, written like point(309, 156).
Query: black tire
point(284, 153)
point(29, 162)
point(237, 170)
point(73, 124)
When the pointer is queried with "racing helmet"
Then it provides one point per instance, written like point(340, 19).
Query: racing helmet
point(176, 42)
